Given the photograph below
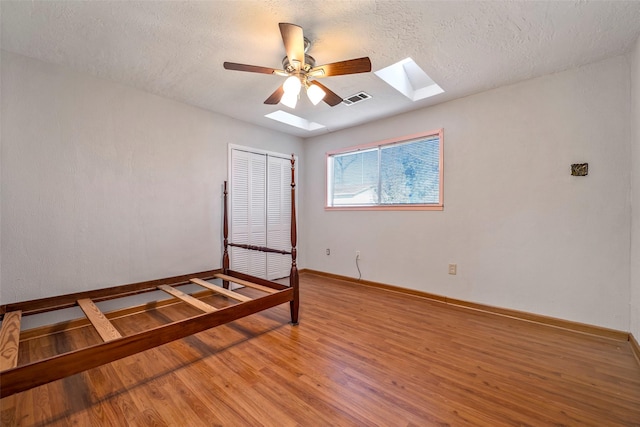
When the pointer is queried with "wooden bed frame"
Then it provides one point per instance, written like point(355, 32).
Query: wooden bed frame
point(15, 379)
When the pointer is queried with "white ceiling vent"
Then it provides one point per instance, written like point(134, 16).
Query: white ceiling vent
point(358, 97)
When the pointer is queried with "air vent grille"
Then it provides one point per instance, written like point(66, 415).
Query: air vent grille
point(358, 97)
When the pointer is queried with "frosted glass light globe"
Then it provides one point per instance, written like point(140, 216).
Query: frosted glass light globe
point(292, 85)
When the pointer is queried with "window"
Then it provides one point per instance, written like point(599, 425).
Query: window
point(404, 173)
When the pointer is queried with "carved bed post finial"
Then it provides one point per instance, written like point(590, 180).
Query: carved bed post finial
point(293, 276)
point(225, 235)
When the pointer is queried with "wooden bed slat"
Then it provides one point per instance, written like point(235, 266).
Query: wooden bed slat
point(188, 299)
point(256, 280)
point(245, 283)
point(99, 321)
point(221, 291)
point(9, 340)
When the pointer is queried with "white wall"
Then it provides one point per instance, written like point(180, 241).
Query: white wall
point(635, 197)
point(525, 234)
point(103, 184)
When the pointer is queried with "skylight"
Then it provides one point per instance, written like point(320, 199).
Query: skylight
point(410, 80)
point(293, 120)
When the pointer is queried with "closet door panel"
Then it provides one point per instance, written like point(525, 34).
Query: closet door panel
point(248, 221)
point(278, 216)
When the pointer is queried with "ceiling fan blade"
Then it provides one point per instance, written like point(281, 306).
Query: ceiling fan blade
point(293, 40)
point(275, 96)
point(351, 66)
point(331, 97)
point(249, 68)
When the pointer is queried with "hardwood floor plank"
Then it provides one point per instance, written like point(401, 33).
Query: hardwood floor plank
point(362, 357)
point(120, 409)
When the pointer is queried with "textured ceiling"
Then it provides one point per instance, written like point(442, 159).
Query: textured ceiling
point(176, 49)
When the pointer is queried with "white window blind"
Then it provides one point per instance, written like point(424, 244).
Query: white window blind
point(409, 172)
point(396, 174)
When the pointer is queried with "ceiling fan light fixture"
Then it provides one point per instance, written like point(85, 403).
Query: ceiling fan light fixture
point(289, 99)
point(315, 94)
point(298, 67)
point(292, 86)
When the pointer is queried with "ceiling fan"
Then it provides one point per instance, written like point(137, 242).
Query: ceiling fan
point(301, 71)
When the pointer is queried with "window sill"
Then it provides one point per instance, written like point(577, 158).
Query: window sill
point(386, 208)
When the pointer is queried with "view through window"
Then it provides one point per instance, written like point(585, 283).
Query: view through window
point(405, 173)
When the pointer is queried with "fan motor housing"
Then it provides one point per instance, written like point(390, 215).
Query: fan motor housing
point(309, 63)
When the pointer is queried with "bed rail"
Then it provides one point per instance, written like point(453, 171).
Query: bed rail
point(260, 248)
point(59, 302)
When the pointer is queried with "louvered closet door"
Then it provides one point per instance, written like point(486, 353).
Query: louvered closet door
point(248, 219)
point(278, 216)
point(260, 212)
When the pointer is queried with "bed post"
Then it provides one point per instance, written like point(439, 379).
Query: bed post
point(293, 276)
point(225, 235)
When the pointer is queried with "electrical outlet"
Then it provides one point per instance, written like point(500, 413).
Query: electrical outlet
point(357, 254)
point(453, 269)
point(328, 251)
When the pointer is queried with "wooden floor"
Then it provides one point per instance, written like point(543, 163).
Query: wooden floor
point(360, 356)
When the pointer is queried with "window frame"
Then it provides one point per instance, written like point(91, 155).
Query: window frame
point(378, 145)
